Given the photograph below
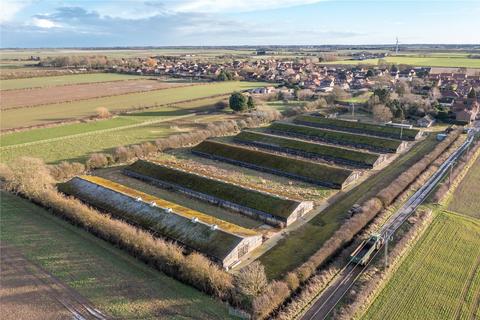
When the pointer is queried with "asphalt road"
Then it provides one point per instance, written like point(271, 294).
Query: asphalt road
point(329, 298)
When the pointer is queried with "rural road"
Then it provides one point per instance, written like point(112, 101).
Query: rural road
point(329, 298)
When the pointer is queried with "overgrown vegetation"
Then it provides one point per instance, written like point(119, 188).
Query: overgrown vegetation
point(358, 127)
point(342, 138)
point(249, 198)
point(310, 150)
point(304, 170)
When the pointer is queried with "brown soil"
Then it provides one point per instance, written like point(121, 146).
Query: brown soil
point(12, 99)
point(29, 292)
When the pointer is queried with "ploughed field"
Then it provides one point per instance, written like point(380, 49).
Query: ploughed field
point(67, 111)
point(48, 95)
point(440, 276)
point(51, 81)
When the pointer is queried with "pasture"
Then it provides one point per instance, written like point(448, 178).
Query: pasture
point(42, 82)
point(458, 62)
point(113, 281)
point(465, 199)
point(440, 276)
point(76, 141)
point(60, 112)
point(301, 243)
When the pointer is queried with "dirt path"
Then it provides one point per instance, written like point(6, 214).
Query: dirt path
point(29, 292)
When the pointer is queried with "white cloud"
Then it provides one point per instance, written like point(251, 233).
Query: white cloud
point(237, 5)
point(9, 8)
point(44, 23)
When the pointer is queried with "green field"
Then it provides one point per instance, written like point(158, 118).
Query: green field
point(439, 278)
point(457, 62)
point(466, 198)
point(315, 150)
point(76, 141)
point(42, 82)
point(358, 127)
point(312, 172)
point(113, 281)
point(341, 138)
point(17, 118)
point(300, 244)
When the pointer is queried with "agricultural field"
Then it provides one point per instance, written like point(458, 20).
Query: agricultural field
point(465, 199)
point(458, 62)
point(341, 138)
point(116, 283)
point(308, 149)
point(61, 112)
point(40, 96)
point(440, 276)
point(358, 127)
point(76, 141)
point(42, 82)
point(301, 243)
point(308, 171)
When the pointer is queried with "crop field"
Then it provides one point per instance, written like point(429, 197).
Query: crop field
point(300, 244)
point(235, 194)
point(47, 114)
point(42, 82)
point(466, 198)
point(458, 62)
point(315, 150)
point(113, 281)
point(76, 141)
point(57, 94)
point(358, 127)
point(304, 170)
point(439, 278)
point(342, 138)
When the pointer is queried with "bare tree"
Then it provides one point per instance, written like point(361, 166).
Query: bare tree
point(382, 113)
point(251, 281)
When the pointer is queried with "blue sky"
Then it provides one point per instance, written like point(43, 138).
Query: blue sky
point(81, 23)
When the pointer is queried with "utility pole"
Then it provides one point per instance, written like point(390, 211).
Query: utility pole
point(401, 133)
point(353, 110)
point(450, 176)
point(386, 249)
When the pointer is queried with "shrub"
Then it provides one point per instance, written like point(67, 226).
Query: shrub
point(103, 113)
point(97, 160)
point(122, 154)
point(28, 176)
point(66, 170)
point(250, 282)
point(274, 295)
point(238, 102)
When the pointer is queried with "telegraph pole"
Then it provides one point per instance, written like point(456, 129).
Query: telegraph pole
point(401, 133)
point(353, 110)
point(386, 238)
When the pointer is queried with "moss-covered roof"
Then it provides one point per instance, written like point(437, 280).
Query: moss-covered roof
point(271, 204)
point(120, 201)
point(320, 173)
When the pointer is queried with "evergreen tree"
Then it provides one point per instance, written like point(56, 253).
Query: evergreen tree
point(250, 103)
point(238, 102)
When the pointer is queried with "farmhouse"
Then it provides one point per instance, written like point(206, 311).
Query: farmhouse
point(223, 242)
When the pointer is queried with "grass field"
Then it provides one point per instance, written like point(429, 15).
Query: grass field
point(439, 278)
point(42, 82)
point(17, 118)
point(76, 141)
point(466, 198)
point(300, 244)
point(116, 283)
point(458, 62)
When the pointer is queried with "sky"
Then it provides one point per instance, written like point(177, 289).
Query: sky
point(108, 23)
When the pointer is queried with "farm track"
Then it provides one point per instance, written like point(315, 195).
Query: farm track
point(78, 135)
point(79, 307)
